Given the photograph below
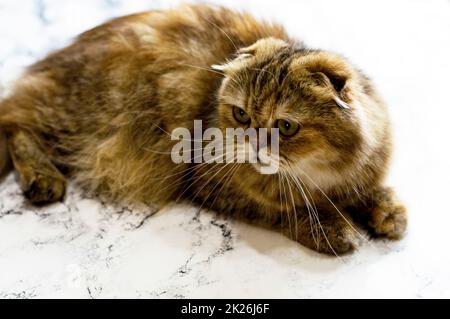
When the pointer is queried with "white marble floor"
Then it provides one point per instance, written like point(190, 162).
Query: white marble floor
point(86, 249)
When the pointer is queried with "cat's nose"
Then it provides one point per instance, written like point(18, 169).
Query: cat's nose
point(261, 138)
point(261, 160)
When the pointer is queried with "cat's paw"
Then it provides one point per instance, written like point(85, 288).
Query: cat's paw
point(43, 189)
point(335, 239)
point(339, 241)
point(389, 221)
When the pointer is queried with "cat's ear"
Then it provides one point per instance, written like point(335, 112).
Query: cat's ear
point(238, 62)
point(328, 70)
point(261, 49)
point(333, 69)
point(221, 68)
point(231, 65)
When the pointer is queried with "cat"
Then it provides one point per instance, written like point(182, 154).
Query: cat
point(101, 112)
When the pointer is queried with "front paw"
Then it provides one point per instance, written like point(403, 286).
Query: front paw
point(389, 221)
point(337, 238)
point(44, 189)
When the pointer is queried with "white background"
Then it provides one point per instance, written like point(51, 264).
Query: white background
point(404, 46)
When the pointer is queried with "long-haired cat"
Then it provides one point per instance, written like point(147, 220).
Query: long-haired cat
point(101, 111)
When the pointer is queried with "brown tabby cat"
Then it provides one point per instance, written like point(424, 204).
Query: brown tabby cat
point(100, 111)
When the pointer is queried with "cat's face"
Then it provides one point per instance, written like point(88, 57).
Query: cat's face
point(306, 95)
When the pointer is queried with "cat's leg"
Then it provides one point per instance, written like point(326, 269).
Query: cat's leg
point(40, 180)
point(382, 213)
point(325, 230)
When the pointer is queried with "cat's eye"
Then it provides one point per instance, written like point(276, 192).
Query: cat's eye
point(240, 115)
point(287, 128)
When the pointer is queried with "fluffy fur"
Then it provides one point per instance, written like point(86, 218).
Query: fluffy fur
point(102, 109)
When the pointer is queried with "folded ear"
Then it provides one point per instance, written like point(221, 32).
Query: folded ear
point(232, 65)
point(219, 67)
point(331, 67)
point(260, 49)
point(264, 47)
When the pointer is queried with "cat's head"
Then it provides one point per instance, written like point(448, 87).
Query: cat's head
point(312, 97)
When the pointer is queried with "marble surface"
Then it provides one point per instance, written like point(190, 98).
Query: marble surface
point(83, 248)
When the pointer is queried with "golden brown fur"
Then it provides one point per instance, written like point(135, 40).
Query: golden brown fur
point(102, 109)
